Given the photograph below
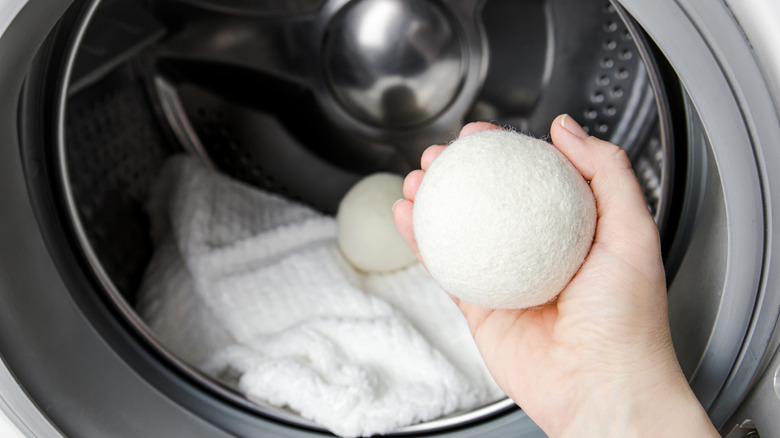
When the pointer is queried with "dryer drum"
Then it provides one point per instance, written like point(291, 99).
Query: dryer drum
point(221, 78)
point(286, 96)
point(264, 90)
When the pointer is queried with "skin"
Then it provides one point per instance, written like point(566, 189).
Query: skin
point(599, 360)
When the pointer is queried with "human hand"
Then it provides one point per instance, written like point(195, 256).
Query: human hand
point(599, 360)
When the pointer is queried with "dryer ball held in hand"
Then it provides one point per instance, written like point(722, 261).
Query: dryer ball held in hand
point(503, 220)
point(367, 235)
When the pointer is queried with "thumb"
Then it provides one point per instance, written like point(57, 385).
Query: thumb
point(622, 210)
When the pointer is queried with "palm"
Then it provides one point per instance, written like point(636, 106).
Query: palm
point(546, 352)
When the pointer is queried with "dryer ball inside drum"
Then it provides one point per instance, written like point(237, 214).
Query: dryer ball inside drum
point(367, 235)
point(503, 220)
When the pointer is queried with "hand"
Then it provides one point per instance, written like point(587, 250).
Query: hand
point(599, 360)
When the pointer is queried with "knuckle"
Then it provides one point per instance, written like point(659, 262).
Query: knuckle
point(612, 153)
point(620, 157)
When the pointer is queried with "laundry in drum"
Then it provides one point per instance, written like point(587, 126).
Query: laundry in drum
point(252, 289)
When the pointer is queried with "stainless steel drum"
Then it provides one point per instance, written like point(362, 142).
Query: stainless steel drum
point(302, 98)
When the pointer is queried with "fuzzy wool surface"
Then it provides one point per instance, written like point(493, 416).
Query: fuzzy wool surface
point(252, 289)
point(503, 220)
point(367, 235)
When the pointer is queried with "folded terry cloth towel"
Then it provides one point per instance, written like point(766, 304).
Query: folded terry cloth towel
point(251, 288)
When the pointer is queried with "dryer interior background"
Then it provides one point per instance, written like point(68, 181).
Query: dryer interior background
point(728, 124)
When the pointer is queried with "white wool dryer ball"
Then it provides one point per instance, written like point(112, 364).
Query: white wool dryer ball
point(367, 235)
point(503, 220)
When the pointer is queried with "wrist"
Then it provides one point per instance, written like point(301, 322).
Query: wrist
point(638, 406)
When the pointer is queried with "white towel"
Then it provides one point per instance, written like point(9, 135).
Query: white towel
point(246, 283)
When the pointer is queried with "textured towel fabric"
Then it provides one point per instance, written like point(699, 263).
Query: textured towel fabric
point(252, 289)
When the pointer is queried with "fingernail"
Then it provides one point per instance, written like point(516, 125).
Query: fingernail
point(571, 125)
point(396, 203)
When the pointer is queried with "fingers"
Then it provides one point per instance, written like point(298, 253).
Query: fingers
point(412, 183)
point(429, 155)
point(402, 215)
point(621, 206)
point(585, 153)
point(432, 152)
point(473, 127)
point(402, 211)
